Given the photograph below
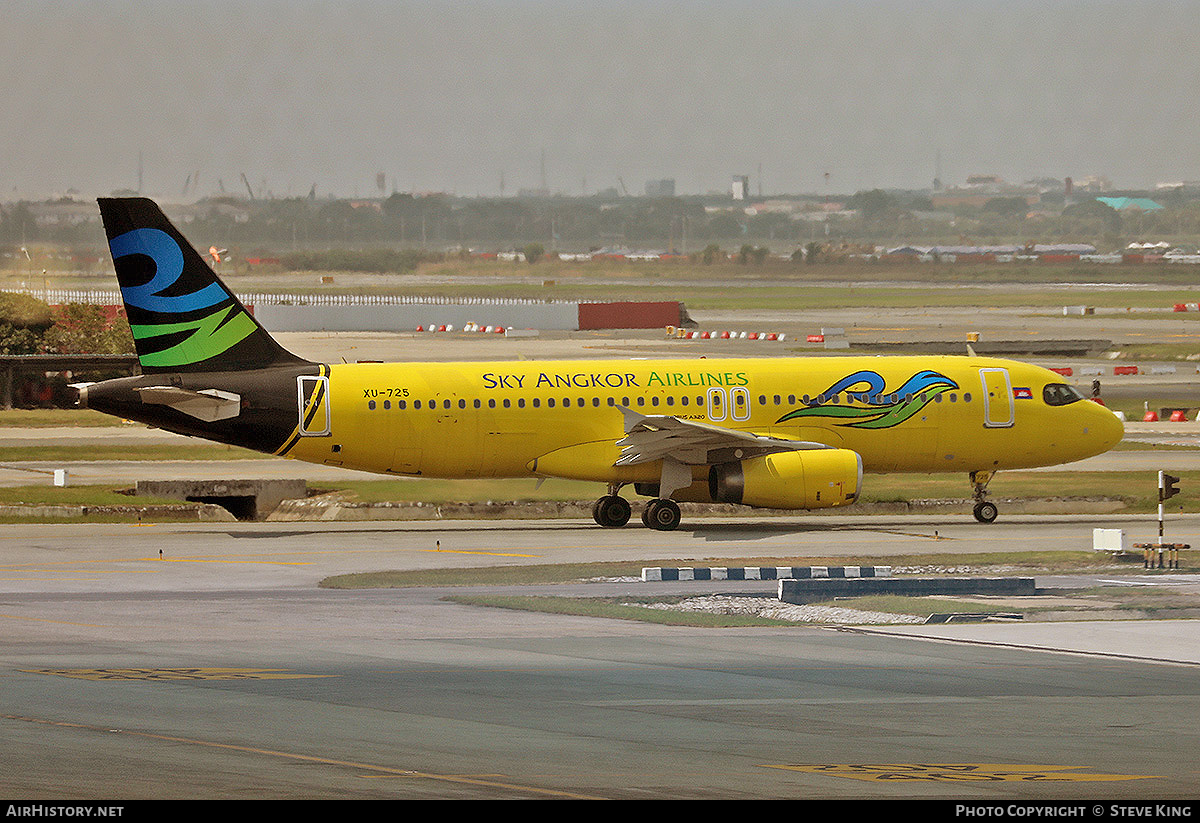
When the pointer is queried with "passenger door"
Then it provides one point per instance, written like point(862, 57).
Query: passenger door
point(998, 407)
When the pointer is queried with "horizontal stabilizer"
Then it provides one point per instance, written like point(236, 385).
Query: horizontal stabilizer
point(207, 404)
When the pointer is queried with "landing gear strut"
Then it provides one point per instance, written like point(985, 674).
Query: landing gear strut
point(662, 514)
point(985, 510)
point(611, 511)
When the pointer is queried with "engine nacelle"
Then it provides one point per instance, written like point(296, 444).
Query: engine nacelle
point(812, 479)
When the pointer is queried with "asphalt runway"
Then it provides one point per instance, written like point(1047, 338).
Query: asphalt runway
point(221, 670)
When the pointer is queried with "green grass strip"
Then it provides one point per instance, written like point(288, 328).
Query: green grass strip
point(614, 609)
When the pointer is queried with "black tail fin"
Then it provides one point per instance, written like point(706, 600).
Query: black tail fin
point(184, 319)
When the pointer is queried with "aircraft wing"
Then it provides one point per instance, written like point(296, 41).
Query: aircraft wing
point(664, 437)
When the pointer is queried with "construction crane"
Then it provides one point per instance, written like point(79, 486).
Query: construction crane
point(247, 182)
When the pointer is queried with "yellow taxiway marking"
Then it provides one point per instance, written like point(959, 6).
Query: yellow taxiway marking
point(306, 758)
point(957, 772)
point(47, 620)
point(61, 578)
point(219, 559)
point(176, 674)
point(463, 551)
point(20, 568)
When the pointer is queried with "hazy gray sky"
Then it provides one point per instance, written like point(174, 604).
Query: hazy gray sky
point(442, 95)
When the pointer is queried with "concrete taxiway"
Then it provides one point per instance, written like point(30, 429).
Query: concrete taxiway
point(220, 669)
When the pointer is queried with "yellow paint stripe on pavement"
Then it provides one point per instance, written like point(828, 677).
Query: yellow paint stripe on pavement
point(957, 772)
point(490, 554)
point(47, 620)
point(305, 758)
point(199, 559)
point(176, 674)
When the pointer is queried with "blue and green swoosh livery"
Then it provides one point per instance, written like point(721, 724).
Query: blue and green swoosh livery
point(183, 318)
point(192, 333)
point(869, 404)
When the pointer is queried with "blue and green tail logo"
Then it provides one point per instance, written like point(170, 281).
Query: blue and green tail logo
point(183, 317)
point(214, 324)
point(869, 405)
point(215, 321)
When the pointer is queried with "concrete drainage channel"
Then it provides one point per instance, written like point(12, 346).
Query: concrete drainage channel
point(244, 499)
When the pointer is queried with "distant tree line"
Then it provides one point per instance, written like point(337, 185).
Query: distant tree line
point(437, 223)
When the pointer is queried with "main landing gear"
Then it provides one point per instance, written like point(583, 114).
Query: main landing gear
point(985, 511)
point(661, 513)
point(613, 511)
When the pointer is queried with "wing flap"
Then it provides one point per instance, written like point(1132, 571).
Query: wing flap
point(657, 437)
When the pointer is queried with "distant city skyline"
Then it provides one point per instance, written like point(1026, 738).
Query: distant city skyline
point(483, 97)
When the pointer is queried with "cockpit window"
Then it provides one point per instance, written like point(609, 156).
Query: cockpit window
point(1060, 394)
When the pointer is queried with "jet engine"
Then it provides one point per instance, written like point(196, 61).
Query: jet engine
point(811, 479)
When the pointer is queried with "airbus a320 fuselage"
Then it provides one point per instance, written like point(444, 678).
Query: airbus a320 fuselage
point(782, 433)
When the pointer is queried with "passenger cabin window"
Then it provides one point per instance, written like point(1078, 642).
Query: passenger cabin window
point(1060, 394)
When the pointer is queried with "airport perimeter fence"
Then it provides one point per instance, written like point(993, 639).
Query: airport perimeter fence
point(112, 297)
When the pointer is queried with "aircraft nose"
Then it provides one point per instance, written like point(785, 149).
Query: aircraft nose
point(1105, 428)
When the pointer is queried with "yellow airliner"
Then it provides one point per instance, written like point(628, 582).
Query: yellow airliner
point(784, 433)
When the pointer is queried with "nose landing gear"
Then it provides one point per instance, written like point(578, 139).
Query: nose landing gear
point(985, 511)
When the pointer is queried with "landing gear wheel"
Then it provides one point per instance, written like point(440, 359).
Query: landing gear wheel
point(662, 514)
point(611, 511)
point(985, 512)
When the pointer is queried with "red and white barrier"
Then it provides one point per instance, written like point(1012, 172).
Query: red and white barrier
point(469, 327)
point(725, 335)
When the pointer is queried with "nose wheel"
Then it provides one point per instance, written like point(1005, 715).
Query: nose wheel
point(985, 511)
